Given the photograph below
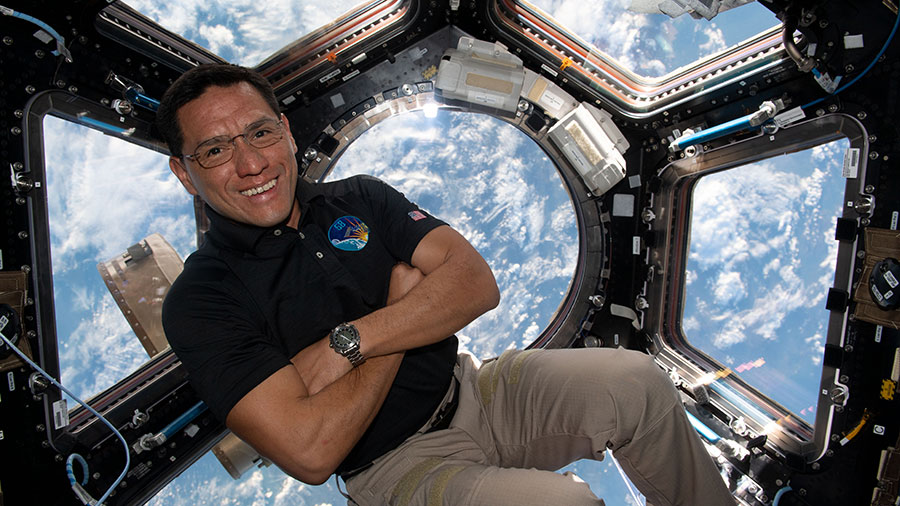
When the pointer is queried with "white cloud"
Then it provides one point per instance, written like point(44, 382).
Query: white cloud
point(715, 39)
point(729, 287)
point(103, 192)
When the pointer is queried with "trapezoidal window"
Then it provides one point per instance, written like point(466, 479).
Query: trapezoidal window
point(761, 260)
point(103, 196)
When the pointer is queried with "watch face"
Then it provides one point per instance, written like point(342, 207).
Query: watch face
point(344, 337)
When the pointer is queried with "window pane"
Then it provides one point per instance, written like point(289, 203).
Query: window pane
point(495, 186)
point(761, 261)
point(653, 45)
point(104, 194)
point(241, 31)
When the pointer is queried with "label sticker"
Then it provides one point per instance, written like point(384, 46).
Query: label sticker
point(348, 233)
point(876, 293)
point(60, 414)
point(878, 330)
point(551, 100)
point(851, 163)
point(891, 280)
point(550, 70)
point(636, 245)
point(11, 381)
point(894, 218)
point(416, 215)
point(351, 75)
point(789, 116)
point(333, 73)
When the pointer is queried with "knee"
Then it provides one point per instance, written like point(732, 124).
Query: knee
point(644, 394)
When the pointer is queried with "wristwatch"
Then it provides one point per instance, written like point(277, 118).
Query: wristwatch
point(344, 339)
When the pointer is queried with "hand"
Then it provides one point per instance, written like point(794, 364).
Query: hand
point(403, 278)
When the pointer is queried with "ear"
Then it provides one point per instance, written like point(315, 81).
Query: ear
point(176, 165)
point(287, 125)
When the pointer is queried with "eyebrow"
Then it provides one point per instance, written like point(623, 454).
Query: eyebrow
point(224, 138)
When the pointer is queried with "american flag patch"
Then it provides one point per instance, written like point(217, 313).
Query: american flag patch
point(417, 215)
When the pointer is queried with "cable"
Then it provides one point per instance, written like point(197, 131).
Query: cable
point(60, 40)
point(778, 495)
point(76, 456)
point(639, 499)
point(865, 71)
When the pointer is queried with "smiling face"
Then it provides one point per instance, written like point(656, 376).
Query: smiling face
point(256, 186)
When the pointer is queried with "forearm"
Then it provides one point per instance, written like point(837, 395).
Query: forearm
point(460, 289)
point(345, 408)
point(309, 435)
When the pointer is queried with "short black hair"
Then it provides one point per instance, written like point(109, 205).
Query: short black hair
point(194, 83)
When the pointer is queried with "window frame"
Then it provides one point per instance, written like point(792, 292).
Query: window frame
point(686, 364)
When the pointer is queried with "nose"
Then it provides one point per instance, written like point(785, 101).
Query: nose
point(248, 161)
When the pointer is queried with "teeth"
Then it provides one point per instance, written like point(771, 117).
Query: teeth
point(259, 189)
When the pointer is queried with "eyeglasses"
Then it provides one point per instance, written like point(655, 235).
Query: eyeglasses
point(219, 150)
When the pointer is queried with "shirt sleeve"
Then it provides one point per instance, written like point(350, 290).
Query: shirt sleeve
point(225, 351)
point(402, 222)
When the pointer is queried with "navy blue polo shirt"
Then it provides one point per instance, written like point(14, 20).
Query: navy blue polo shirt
point(250, 298)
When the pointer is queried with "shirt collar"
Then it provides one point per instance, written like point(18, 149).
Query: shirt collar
point(241, 236)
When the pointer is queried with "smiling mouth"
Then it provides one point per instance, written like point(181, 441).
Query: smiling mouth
point(259, 189)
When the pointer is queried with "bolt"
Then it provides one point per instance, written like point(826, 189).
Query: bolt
point(15, 130)
point(523, 105)
point(861, 254)
point(596, 300)
point(45, 444)
point(829, 452)
point(779, 482)
point(864, 222)
point(73, 89)
point(23, 234)
point(816, 466)
point(820, 112)
point(873, 155)
point(60, 83)
point(39, 53)
point(59, 458)
point(29, 89)
point(848, 348)
point(641, 303)
point(835, 437)
point(833, 108)
point(861, 115)
point(20, 200)
point(822, 24)
point(844, 378)
point(82, 39)
point(870, 188)
point(849, 68)
point(802, 492)
point(26, 269)
point(8, 40)
point(19, 113)
point(18, 166)
point(873, 138)
point(95, 476)
point(40, 427)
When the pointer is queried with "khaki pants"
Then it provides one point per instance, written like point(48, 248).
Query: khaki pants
point(528, 413)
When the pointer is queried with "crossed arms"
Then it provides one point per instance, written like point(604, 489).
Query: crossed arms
point(306, 417)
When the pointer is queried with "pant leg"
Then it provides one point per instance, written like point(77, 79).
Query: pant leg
point(548, 408)
point(447, 468)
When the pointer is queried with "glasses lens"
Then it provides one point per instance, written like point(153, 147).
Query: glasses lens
point(212, 155)
point(265, 135)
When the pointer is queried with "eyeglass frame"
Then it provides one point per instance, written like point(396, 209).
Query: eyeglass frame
point(195, 156)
